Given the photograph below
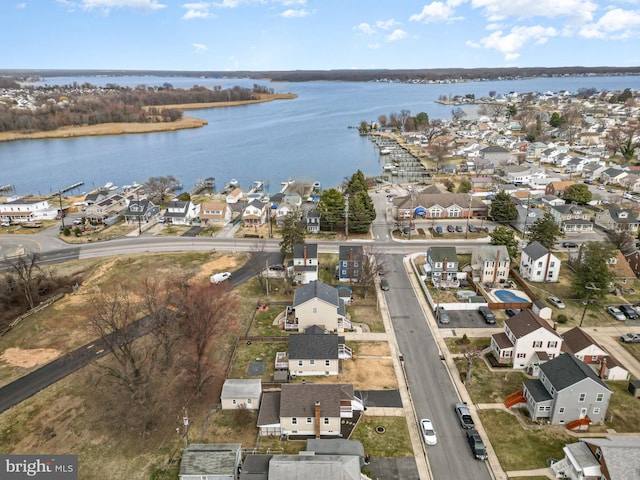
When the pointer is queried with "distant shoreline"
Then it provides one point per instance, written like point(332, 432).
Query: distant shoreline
point(123, 128)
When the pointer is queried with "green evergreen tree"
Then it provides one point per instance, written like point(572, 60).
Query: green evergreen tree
point(293, 231)
point(503, 208)
point(545, 231)
point(465, 186)
point(593, 276)
point(359, 213)
point(331, 207)
point(357, 183)
point(507, 237)
point(578, 193)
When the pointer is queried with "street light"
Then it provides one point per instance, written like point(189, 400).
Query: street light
point(592, 288)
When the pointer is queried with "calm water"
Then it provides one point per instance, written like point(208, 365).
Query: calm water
point(303, 139)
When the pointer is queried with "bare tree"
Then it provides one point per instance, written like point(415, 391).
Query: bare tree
point(497, 110)
point(439, 149)
point(158, 188)
point(27, 275)
point(434, 128)
point(372, 265)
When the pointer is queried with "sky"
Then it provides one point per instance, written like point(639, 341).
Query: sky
point(228, 35)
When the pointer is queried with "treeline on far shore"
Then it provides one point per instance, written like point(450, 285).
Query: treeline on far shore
point(52, 107)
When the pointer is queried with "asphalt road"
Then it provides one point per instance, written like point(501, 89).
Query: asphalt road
point(431, 387)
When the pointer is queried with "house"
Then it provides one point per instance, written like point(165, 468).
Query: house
point(618, 220)
point(537, 264)
point(621, 270)
point(234, 196)
point(351, 263)
point(305, 262)
point(567, 391)
point(490, 263)
point(211, 461)
point(610, 458)
point(181, 212)
point(315, 352)
point(241, 393)
point(312, 220)
point(612, 175)
point(141, 211)
point(558, 188)
point(526, 217)
point(571, 218)
point(495, 154)
point(552, 200)
point(633, 259)
point(254, 214)
point(481, 184)
point(442, 264)
point(631, 182)
point(20, 210)
point(580, 344)
point(110, 209)
point(215, 213)
point(307, 409)
point(518, 174)
point(525, 335)
point(438, 205)
point(317, 303)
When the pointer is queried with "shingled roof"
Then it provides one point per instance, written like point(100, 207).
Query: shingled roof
point(566, 370)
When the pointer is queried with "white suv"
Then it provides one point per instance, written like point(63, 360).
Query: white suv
point(556, 302)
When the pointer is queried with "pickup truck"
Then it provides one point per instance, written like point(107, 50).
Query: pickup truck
point(464, 415)
point(477, 445)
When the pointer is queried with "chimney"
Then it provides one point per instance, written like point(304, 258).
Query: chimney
point(304, 255)
point(603, 367)
point(317, 419)
point(546, 270)
point(495, 269)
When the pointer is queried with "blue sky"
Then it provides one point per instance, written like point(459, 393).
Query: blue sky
point(317, 34)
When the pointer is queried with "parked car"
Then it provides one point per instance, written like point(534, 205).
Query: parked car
point(628, 312)
point(438, 229)
point(464, 415)
point(428, 433)
point(277, 267)
point(472, 228)
point(569, 245)
point(459, 229)
point(217, 278)
point(630, 338)
point(384, 285)
point(488, 315)
point(616, 313)
point(5, 224)
point(512, 311)
point(556, 302)
point(477, 445)
point(443, 316)
point(450, 229)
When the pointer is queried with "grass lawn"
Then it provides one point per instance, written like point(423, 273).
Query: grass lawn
point(623, 414)
point(367, 312)
point(519, 449)
point(489, 387)
point(633, 349)
point(273, 445)
point(263, 322)
point(394, 442)
point(466, 344)
point(257, 351)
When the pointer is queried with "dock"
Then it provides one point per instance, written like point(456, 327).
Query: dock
point(207, 183)
point(7, 188)
point(66, 189)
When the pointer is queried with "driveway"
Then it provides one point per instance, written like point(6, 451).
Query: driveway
point(467, 319)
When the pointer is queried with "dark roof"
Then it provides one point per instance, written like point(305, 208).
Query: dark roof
point(439, 254)
point(255, 467)
point(502, 340)
point(526, 322)
point(299, 399)
point(351, 252)
point(315, 330)
point(312, 250)
point(576, 340)
point(535, 250)
point(537, 390)
point(566, 370)
point(269, 413)
point(494, 149)
point(316, 289)
point(308, 346)
point(209, 459)
point(335, 446)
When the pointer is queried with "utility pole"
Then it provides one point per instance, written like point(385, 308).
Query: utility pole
point(61, 211)
point(267, 275)
point(139, 211)
point(185, 424)
point(466, 233)
point(346, 217)
point(592, 288)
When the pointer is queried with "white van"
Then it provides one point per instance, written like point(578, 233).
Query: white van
point(220, 277)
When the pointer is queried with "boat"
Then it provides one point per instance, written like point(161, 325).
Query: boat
point(108, 185)
point(257, 186)
point(385, 151)
point(316, 185)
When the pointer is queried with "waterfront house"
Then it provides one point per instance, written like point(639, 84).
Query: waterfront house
point(316, 303)
point(618, 220)
point(181, 212)
point(307, 409)
point(110, 209)
point(537, 264)
point(21, 210)
point(215, 213)
point(312, 220)
point(141, 211)
point(490, 263)
point(526, 342)
point(241, 393)
point(254, 214)
point(610, 458)
point(211, 461)
point(234, 196)
point(350, 263)
point(567, 392)
point(305, 263)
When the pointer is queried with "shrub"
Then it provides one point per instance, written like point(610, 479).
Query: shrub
point(562, 318)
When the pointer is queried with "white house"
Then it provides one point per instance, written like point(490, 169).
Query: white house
point(537, 264)
point(305, 262)
point(241, 393)
point(25, 210)
point(526, 341)
point(234, 196)
point(181, 212)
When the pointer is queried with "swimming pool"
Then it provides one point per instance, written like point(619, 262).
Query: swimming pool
point(507, 296)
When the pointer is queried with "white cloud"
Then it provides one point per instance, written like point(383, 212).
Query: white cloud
point(396, 35)
point(494, 26)
point(616, 23)
point(510, 57)
point(509, 44)
point(577, 10)
point(436, 12)
point(106, 5)
point(21, 5)
point(200, 48)
point(364, 28)
point(291, 13)
point(387, 24)
point(373, 46)
point(197, 10)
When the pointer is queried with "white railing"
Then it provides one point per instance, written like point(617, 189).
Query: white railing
point(344, 352)
point(282, 361)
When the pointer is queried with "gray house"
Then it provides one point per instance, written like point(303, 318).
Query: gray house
point(618, 220)
point(495, 154)
point(315, 352)
point(211, 461)
point(442, 264)
point(241, 393)
point(351, 261)
point(567, 392)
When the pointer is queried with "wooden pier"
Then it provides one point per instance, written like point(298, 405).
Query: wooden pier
point(66, 189)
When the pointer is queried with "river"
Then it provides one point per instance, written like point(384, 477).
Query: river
point(303, 139)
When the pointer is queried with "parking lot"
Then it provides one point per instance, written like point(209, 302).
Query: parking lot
point(467, 319)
